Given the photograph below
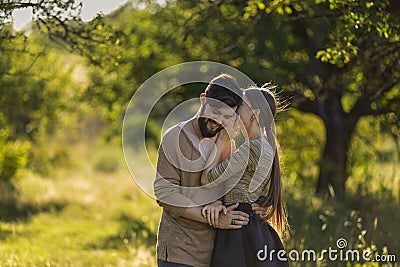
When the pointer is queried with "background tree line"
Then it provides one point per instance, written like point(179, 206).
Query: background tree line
point(66, 197)
point(337, 60)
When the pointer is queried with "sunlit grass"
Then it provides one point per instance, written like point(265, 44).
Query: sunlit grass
point(81, 217)
point(86, 215)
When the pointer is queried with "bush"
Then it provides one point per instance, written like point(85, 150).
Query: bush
point(107, 158)
point(13, 154)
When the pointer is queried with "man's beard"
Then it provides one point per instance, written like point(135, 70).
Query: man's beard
point(206, 132)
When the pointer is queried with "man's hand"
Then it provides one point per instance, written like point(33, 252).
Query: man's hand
point(240, 218)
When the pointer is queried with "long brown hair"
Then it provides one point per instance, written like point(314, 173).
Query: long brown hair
point(276, 214)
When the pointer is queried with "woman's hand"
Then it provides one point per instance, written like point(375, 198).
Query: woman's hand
point(211, 212)
point(223, 137)
point(230, 130)
point(259, 210)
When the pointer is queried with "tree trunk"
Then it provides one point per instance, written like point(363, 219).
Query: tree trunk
point(333, 164)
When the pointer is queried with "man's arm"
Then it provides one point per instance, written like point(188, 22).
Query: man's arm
point(166, 186)
point(168, 193)
point(224, 221)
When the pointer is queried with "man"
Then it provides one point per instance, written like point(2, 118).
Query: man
point(184, 236)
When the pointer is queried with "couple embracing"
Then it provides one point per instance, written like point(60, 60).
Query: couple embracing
point(222, 206)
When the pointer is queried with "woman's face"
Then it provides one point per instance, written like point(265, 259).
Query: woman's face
point(245, 114)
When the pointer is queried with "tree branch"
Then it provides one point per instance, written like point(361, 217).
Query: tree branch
point(385, 89)
point(363, 104)
point(304, 17)
point(249, 31)
point(305, 104)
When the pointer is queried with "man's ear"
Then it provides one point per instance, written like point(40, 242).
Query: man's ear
point(202, 98)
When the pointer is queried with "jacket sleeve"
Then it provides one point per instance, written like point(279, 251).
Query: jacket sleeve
point(167, 186)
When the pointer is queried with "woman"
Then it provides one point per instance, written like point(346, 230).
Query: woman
point(246, 175)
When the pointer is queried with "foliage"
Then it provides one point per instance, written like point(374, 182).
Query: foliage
point(326, 61)
point(358, 19)
point(35, 95)
point(12, 154)
point(49, 99)
point(37, 98)
point(106, 159)
point(275, 40)
point(61, 21)
point(300, 158)
point(145, 51)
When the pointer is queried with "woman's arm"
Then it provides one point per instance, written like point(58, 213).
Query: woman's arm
point(223, 150)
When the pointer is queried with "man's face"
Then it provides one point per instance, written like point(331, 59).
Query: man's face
point(213, 119)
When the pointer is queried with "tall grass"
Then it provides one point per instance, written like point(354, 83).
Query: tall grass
point(88, 215)
point(85, 216)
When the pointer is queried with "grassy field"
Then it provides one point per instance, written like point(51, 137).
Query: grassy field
point(90, 213)
point(81, 216)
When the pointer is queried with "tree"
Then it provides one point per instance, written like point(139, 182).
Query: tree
point(363, 78)
point(338, 60)
point(33, 93)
